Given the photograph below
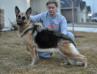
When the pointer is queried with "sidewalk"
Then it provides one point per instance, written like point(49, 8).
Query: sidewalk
point(83, 27)
point(89, 25)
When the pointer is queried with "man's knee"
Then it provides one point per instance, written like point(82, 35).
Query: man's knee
point(71, 35)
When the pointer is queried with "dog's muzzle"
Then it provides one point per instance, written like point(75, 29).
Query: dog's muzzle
point(20, 22)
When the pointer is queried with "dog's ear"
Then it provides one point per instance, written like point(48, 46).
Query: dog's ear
point(17, 10)
point(29, 12)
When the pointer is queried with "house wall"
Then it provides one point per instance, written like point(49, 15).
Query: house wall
point(68, 14)
point(39, 6)
point(82, 15)
point(9, 14)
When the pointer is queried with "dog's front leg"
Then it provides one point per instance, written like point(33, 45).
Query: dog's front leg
point(34, 55)
point(32, 48)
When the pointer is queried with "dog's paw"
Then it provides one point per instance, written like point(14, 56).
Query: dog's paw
point(81, 64)
point(85, 65)
point(76, 63)
point(34, 61)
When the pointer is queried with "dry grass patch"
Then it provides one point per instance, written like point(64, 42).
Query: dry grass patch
point(14, 58)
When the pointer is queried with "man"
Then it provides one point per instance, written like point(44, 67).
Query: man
point(52, 20)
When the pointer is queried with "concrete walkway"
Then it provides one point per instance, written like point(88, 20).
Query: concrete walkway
point(83, 29)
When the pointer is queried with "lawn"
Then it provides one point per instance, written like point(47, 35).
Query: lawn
point(14, 58)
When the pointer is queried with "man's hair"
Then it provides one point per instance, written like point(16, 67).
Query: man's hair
point(52, 2)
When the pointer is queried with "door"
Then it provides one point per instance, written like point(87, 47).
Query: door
point(1, 19)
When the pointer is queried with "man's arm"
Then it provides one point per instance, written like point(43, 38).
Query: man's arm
point(63, 25)
point(64, 31)
point(36, 18)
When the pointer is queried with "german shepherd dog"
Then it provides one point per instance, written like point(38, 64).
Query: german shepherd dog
point(45, 40)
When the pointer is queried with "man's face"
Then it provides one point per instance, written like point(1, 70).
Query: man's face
point(52, 9)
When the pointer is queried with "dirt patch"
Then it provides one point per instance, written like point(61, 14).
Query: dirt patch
point(14, 58)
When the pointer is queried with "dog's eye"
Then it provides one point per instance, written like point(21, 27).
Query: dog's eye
point(23, 18)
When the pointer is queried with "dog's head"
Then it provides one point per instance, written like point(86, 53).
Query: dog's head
point(22, 18)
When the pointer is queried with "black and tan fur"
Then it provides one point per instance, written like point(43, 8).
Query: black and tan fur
point(51, 41)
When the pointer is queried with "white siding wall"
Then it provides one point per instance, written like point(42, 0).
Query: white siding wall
point(82, 16)
point(40, 5)
point(8, 6)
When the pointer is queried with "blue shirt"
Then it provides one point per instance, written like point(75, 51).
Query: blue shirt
point(57, 22)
